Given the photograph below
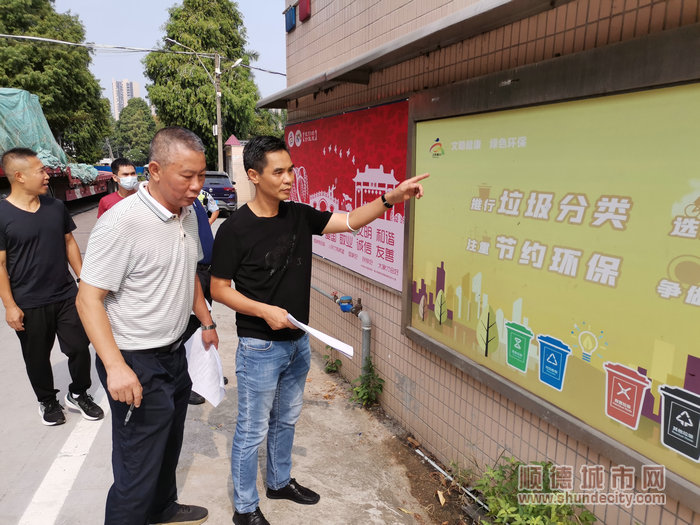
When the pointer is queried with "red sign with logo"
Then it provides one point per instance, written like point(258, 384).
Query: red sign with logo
point(345, 161)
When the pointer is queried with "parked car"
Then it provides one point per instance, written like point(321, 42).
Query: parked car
point(219, 186)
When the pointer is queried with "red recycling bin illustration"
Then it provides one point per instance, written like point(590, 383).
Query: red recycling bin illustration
point(624, 393)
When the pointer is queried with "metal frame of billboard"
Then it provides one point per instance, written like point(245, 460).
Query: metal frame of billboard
point(659, 60)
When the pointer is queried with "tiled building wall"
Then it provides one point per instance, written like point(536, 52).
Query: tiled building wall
point(339, 31)
point(454, 416)
point(572, 27)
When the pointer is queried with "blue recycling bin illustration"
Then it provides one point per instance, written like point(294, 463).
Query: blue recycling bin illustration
point(554, 355)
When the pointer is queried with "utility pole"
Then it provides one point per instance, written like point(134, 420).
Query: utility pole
point(217, 86)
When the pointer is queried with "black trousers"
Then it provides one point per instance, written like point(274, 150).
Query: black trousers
point(146, 450)
point(41, 326)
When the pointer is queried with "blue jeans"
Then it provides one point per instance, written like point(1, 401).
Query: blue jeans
point(271, 376)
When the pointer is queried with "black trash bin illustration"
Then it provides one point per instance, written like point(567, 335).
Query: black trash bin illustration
point(680, 417)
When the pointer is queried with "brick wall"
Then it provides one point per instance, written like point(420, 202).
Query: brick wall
point(572, 27)
point(454, 416)
point(339, 31)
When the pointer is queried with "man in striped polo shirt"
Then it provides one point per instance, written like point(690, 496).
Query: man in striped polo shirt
point(138, 286)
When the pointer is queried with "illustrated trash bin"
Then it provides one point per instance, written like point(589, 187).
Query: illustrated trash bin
point(519, 338)
point(554, 354)
point(624, 393)
point(680, 420)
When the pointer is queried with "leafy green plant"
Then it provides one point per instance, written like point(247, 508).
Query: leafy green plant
point(370, 385)
point(332, 365)
point(499, 489)
point(461, 476)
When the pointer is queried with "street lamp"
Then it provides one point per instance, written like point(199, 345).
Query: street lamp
point(216, 80)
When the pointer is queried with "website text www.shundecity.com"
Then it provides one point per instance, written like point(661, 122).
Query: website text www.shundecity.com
point(535, 479)
point(624, 499)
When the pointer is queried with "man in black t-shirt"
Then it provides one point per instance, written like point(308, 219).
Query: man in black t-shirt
point(37, 289)
point(265, 249)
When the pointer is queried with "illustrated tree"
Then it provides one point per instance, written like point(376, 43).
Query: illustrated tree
point(441, 307)
point(58, 74)
point(182, 91)
point(486, 331)
point(134, 131)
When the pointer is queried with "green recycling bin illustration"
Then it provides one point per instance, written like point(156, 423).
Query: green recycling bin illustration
point(519, 338)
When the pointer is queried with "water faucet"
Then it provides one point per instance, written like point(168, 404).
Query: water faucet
point(357, 308)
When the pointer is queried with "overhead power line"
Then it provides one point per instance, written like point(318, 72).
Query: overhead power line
point(130, 49)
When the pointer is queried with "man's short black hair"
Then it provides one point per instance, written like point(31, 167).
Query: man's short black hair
point(15, 154)
point(167, 140)
point(255, 152)
point(120, 163)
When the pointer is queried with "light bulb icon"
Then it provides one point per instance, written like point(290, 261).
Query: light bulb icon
point(588, 343)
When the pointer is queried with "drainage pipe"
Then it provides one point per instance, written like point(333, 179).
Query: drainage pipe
point(364, 317)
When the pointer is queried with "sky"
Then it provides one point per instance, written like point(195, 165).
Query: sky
point(139, 23)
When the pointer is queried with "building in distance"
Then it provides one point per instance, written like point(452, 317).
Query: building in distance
point(122, 92)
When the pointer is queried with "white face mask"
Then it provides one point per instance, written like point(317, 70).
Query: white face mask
point(129, 183)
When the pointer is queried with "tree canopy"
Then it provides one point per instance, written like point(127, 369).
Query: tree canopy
point(58, 74)
point(134, 131)
point(182, 91)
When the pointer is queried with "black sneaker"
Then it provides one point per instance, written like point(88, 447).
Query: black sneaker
point(51, 413)
point(85, 405)
point(186, 515)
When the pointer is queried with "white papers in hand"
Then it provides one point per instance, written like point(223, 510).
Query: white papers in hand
point(325, 338)
point(205, 369)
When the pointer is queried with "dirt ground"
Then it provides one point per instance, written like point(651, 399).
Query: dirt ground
point(427, 484)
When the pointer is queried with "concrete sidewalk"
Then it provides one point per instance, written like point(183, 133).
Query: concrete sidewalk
point(340, 451)
point(60, 475)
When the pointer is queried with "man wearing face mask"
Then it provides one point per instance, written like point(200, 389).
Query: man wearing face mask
point(124, 174)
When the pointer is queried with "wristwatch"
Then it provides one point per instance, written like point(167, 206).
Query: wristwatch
point(210, 326)
point(384, 201)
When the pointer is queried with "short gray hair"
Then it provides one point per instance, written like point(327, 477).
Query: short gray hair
point(168, 139)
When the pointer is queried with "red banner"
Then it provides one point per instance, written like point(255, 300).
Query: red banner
point(345, 161)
